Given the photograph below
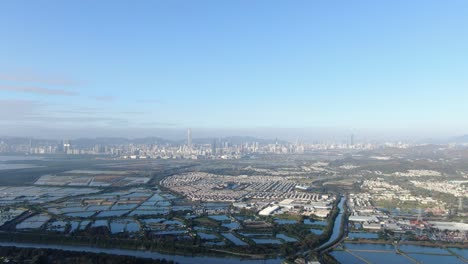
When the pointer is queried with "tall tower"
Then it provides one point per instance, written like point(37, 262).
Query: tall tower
point(276, 145)
point(213, 148)
point(460, 204)
point(189, 138)
point(66, 146)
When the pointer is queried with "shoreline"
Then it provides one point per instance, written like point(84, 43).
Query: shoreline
point(417, 243)
point(201, 259)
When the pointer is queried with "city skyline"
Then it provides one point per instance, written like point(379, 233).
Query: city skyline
point(306, 135)
point(386, 70)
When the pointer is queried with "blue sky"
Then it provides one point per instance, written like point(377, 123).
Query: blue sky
point(84, 68)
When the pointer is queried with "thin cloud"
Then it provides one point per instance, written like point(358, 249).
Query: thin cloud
point(72, 119)
point(108, 98)
point(16, 114)
point(17, 109)
point(30, 77)
point(150, 101)
point(133, 112)
point(158, 124)
point(36, 90)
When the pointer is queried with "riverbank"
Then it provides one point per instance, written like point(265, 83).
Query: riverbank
point(144, 254)
point(338, 228)
point(184, 251)
point(45, 255)
point(416, 243)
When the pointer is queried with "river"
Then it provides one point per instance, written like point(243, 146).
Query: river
point(145, 254)
point(179, 258)
point(336, 226)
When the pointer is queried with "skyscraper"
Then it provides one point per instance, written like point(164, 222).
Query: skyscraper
point(66, 146)
point(189, 138)
point(213, 147)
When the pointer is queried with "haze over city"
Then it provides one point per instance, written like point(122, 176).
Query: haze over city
point(314, 70)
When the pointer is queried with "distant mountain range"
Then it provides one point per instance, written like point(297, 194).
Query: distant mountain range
point(461, 139)
point(88, 142)
point(119, 141)
point(443, 141)
point(237, 140)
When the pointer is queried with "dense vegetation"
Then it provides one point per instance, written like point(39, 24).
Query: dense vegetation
point(42, 256)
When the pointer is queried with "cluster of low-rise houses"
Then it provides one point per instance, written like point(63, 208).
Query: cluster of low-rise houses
point(455, 188)
point(382, 190)
point(364, 215)
point(211, 187)
point(418, 173)
point(269, 194)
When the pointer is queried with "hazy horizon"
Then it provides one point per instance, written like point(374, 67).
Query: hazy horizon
point(304, 135)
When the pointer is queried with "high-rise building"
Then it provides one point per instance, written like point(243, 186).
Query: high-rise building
point(66, 146)
point(213, 147)
point(189, 138)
